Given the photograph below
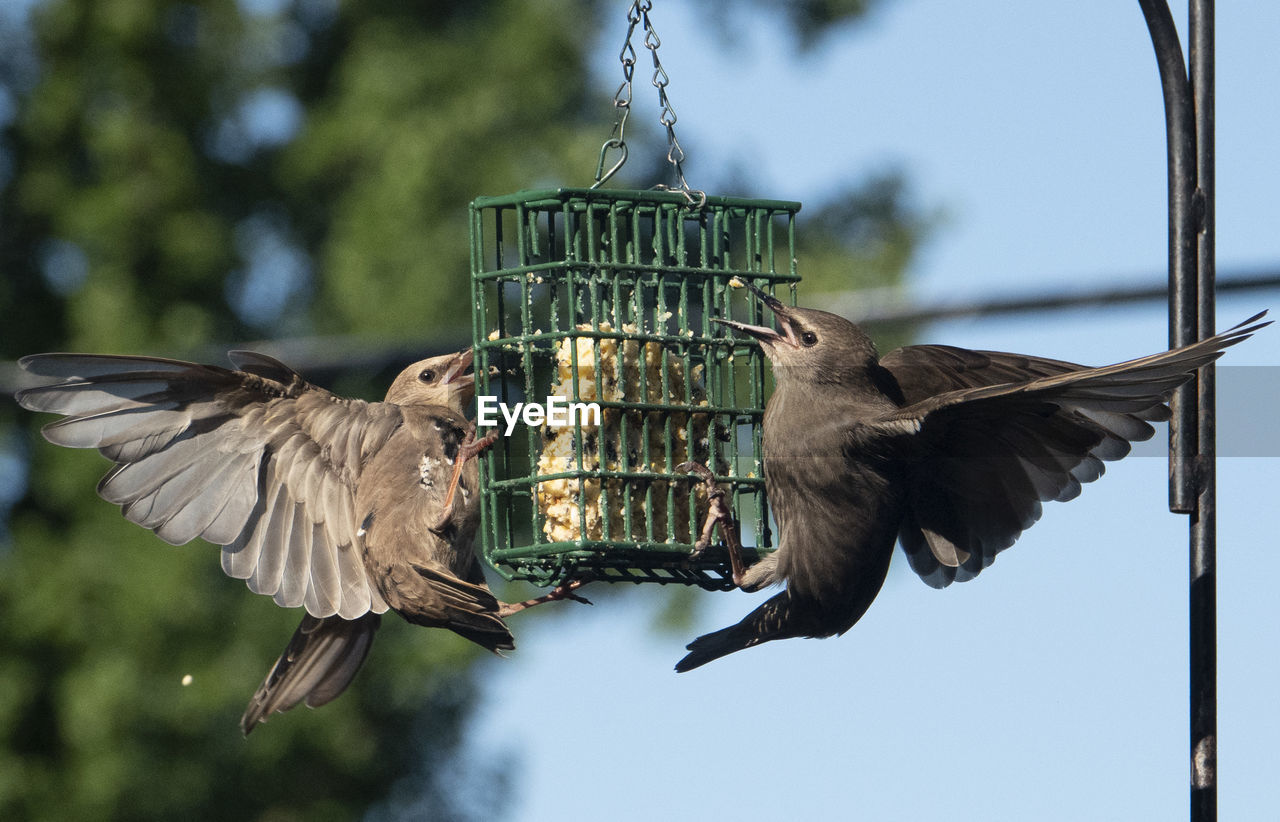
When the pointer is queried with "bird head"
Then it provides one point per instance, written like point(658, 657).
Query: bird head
point(808, 344)
point(445, 380)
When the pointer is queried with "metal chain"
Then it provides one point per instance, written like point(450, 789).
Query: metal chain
point(621, 102)
point(675, 154)
point(638, 14)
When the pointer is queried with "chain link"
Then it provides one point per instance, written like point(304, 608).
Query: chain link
point(638, 14)
point(621, 102)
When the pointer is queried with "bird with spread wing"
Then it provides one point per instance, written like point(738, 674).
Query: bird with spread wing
point(343, 507)
point(949, 451)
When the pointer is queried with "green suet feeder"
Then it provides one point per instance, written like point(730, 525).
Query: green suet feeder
point(607, 298)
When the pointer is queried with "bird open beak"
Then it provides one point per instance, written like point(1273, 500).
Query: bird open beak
point(456, 371)
point(786, 332)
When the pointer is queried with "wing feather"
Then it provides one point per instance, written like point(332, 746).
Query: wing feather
point(271, 536)
point(998, 434)
point(256, 460)
point(324, 590)
point(297, 566)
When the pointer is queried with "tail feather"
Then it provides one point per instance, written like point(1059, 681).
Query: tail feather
point(777, 618)
point(317, 665)
point(487, 631)
point(468, 609)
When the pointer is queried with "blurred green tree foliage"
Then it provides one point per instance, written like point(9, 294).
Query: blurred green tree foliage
point(177, 173)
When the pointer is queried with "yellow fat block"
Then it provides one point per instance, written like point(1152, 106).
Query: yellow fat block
point(564, 501)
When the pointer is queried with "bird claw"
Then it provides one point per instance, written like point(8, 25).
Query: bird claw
point(572, 597)
point(469, 449)
point(562, 591)
point(472, 447)
point(718, 513)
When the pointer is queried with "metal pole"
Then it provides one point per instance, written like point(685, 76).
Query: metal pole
point(1188, 98)
point(1203, 537)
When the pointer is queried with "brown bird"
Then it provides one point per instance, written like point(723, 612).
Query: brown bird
point(947, 450)
point(328, 503)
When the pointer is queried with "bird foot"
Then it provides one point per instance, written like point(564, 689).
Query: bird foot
point(718, 513)
point(469, 449)
point(562, 591)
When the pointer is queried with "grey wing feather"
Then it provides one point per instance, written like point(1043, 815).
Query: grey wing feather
point(324, 594)
point(997, 445)
point(87, 366)
point(256, 460)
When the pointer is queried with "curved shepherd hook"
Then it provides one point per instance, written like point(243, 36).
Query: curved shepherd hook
point(1188, 99)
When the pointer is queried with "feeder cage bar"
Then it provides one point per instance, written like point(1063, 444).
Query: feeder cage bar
point(607, 298)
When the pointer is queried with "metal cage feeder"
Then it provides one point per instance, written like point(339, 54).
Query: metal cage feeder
point(607, 297)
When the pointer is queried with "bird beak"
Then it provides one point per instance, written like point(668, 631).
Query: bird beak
point(457, 370)
point(781, 314)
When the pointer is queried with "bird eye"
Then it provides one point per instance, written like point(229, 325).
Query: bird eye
point(427, 376)
point(809, 338)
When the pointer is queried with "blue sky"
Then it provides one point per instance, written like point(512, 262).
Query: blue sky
point(1053, 687)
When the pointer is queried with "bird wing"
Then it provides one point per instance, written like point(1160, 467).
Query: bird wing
point(1009, 432)
point(256, 460)
point(925, 371)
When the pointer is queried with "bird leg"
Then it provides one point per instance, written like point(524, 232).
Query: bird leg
point(718, 513)
point(562, 591)
point(470, 448)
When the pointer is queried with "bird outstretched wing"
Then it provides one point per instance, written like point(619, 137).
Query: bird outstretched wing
point(995, 435)
point(256, 460)
point(923, 372)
